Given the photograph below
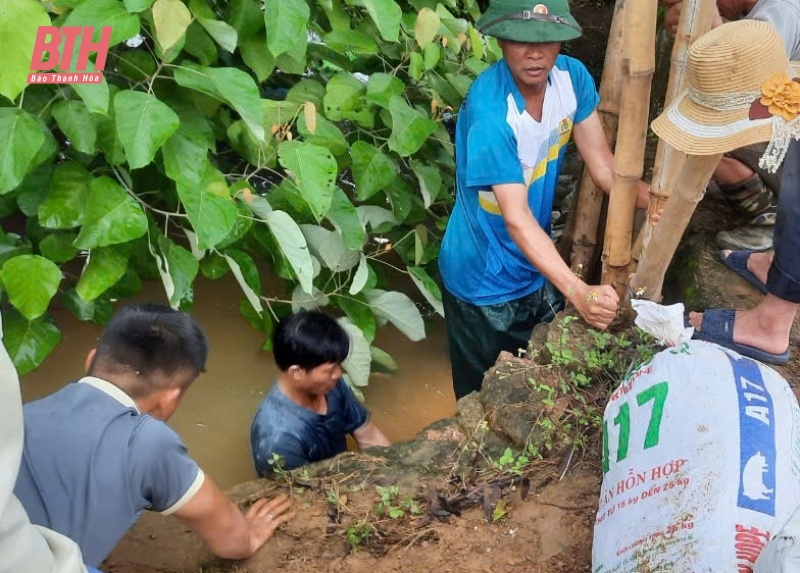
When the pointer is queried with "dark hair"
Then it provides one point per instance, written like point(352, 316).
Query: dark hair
point(309, 339)
point(151, 339)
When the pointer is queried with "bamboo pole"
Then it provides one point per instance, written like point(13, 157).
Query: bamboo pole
point(690, 185)
point(639, 41)
point(696, 19)
point(580, 234)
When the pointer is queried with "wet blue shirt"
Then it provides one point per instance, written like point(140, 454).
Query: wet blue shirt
point(498, 142)
point(299, 435)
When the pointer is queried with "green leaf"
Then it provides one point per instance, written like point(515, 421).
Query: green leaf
point(306, 90)
point(286, 22)
point(382, 359)
point(382, 87)
point(58, 247)
point(246, 17)
point(428, 287)
point(223, 33)
point(277, 112)
point(63, 208)
point(329, 248)
point(209, 207)
point(293, 246)
point(12, 245)
point(246, 273)
point(350, 41)
point(315, 170)
point(476, 41)
point(372, 169)
point(108, 140)
point(325, 135)
point(460, 82)
point(22, 137)
point(143, 124)
point(416, 66)
point(19, 21)
point(357, 310)
point(257, 57)
point(199, 44)
point(377, 218)
point(177, 268)
point(33, 189)
point(230, 85)
point(99, 310)
point(358, 361)
point(387, 15)
point(184, 155)
point(31, 282)
point(410, 128)
point(137, 5)
point(431, 56)
point(344, 217)
point(100, 13)
point(430, 181)
point(398, 309)
point(76, 122)
point(426, 27)
point(104, 267)
point(171, 19)
point(361, 276)
point(344, 100)
point(112, 216)
point(95, 96)
point(28, 343)
point(302, 300)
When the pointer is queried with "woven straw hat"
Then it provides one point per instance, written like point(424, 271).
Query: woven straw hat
point(728, 69)
point(529, 21)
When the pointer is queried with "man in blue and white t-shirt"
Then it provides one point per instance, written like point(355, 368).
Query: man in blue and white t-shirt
point(501, 272)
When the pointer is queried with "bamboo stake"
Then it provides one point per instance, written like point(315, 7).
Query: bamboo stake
point(696, 20)
point(639, 40)
point(580, 233)
point(690, 185)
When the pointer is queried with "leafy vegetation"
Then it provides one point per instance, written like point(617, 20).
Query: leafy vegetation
point(303, 139)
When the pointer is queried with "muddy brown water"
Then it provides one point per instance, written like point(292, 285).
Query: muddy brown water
point(214, 417)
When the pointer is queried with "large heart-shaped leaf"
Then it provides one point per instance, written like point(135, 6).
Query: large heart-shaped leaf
point(28, 342)
point(63, 208)
point(246, 274)
point(387, 15)
point(223, 33)
point(293, 246)
point(19, 20)
point(398, 309)
point(230, 85)
point(209, 207)
point(315, 169)
point(104, 267)
point(100, 13)
point(428, 287)
point(430, 181)
point(171, 19)
point(345, 218)
point(383, 87)
point(329, 248)
point(77, 124)
point(112, 216)
point(21, 139)
point(184, 154)
point(372, 169)
point(359, 360)
point(410, 128)
point(144, 123)
point(31, 282)
point(286, 22)
point(426, 26)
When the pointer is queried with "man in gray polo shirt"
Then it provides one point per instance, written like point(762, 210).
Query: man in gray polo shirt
point(98, 453)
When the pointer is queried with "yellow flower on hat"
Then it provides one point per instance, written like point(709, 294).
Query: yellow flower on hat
point(782, 96)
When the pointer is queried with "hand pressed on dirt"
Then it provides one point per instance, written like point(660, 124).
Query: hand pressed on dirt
point(597, 304)
point(264, 517)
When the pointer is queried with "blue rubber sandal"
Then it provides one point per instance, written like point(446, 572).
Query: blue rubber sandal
point(737, 261)
point(718, 328)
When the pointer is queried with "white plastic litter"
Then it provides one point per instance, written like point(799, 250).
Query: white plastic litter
point(782, 554)
point(701, 464)
point(665, 323)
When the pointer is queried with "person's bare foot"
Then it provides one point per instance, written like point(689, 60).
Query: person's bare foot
point(757, 263)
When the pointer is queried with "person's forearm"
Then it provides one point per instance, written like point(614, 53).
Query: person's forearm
point(232, 541)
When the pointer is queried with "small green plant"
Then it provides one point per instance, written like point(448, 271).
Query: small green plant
point(392, 505)
point(511, 463)
point(359, 533)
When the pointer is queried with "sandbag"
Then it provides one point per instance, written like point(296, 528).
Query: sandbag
point(701, 458)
